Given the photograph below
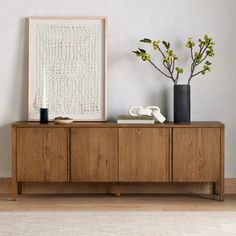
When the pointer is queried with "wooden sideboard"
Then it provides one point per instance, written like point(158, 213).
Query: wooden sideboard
point(114, 153)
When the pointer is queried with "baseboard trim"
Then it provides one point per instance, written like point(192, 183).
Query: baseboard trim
point(230, 186)
point(177, 188)
point(5, 185)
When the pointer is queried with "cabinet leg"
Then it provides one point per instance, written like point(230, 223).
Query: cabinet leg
point(14, 185)
point(221, 190)
point(14, 190)
point(117, 193)
point(215, 188)
point(19, 189)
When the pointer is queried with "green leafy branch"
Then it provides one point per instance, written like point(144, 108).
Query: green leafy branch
point(169, 58)
point(205, 50)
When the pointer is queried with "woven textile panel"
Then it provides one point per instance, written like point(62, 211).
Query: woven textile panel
point(72, 54)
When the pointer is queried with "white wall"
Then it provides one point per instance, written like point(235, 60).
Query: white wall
point(130, 80)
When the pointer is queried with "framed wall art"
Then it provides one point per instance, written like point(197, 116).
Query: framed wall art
point(68, 67)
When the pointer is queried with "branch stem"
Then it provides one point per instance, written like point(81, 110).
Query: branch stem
point(202, 59)
point(168, 67)
point(192, 53)
point(161, 71)
point(198, 72)
point(173, 66)
point(162, 53)
point(177, 78)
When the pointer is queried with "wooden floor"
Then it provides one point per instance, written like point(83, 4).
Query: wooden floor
point(111, 203)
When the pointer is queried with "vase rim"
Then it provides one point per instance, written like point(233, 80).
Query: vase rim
point(184, 85)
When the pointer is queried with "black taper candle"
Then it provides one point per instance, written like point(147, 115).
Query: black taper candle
point(43, 115)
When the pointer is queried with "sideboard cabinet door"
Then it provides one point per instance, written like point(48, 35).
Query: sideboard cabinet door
point(42, 154)
point(196, 154)
point(144, 154)
point(94, 154)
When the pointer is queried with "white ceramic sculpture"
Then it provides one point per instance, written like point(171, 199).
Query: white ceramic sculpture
point(147, 111)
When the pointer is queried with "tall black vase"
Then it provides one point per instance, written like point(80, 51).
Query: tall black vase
point(182, 107)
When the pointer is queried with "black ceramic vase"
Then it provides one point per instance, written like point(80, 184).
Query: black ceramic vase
point(182, 104)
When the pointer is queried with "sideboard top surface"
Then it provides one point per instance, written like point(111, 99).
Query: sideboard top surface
point(109, 124)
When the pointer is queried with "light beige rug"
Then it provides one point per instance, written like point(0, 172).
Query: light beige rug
point(117, 223)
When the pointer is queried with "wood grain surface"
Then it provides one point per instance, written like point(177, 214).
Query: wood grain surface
point(144, 154)
point(109, 124)
point(94, 154)
point(196, 154)
point(42, 154)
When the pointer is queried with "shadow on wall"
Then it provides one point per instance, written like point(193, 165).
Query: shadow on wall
point(16, 108)
point(162, 99)
point(22, 67)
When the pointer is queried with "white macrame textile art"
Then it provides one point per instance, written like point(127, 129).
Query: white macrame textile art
point(72, 54)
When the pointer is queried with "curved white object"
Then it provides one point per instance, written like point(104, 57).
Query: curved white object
point(147, 111)
point(159, 116)
point(134, 110)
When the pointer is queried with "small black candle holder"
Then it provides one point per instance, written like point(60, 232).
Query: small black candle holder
point(43, 115)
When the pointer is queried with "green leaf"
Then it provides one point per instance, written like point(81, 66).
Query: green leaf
point(210, 47)
point(206, 67)
point(210, 53)
point(169, 52)
point(198, 56)
point(155, 44)
point(206, 37)
point(146, 57)
point(190, 43)
point(166, 60)
point(136, 52)
point(155, 47)
point(208, 63)
point(166, 44)
point(142, 50)
point(179, 70)
point(201, 43)
point(145, 40)
point(175, 57)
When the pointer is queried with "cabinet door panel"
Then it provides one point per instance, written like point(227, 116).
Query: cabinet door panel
point(144, 154)
point(196, 154)
point(42, 154)
point(94, 154)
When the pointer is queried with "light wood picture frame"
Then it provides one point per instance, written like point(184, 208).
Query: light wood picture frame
point(71, 53)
